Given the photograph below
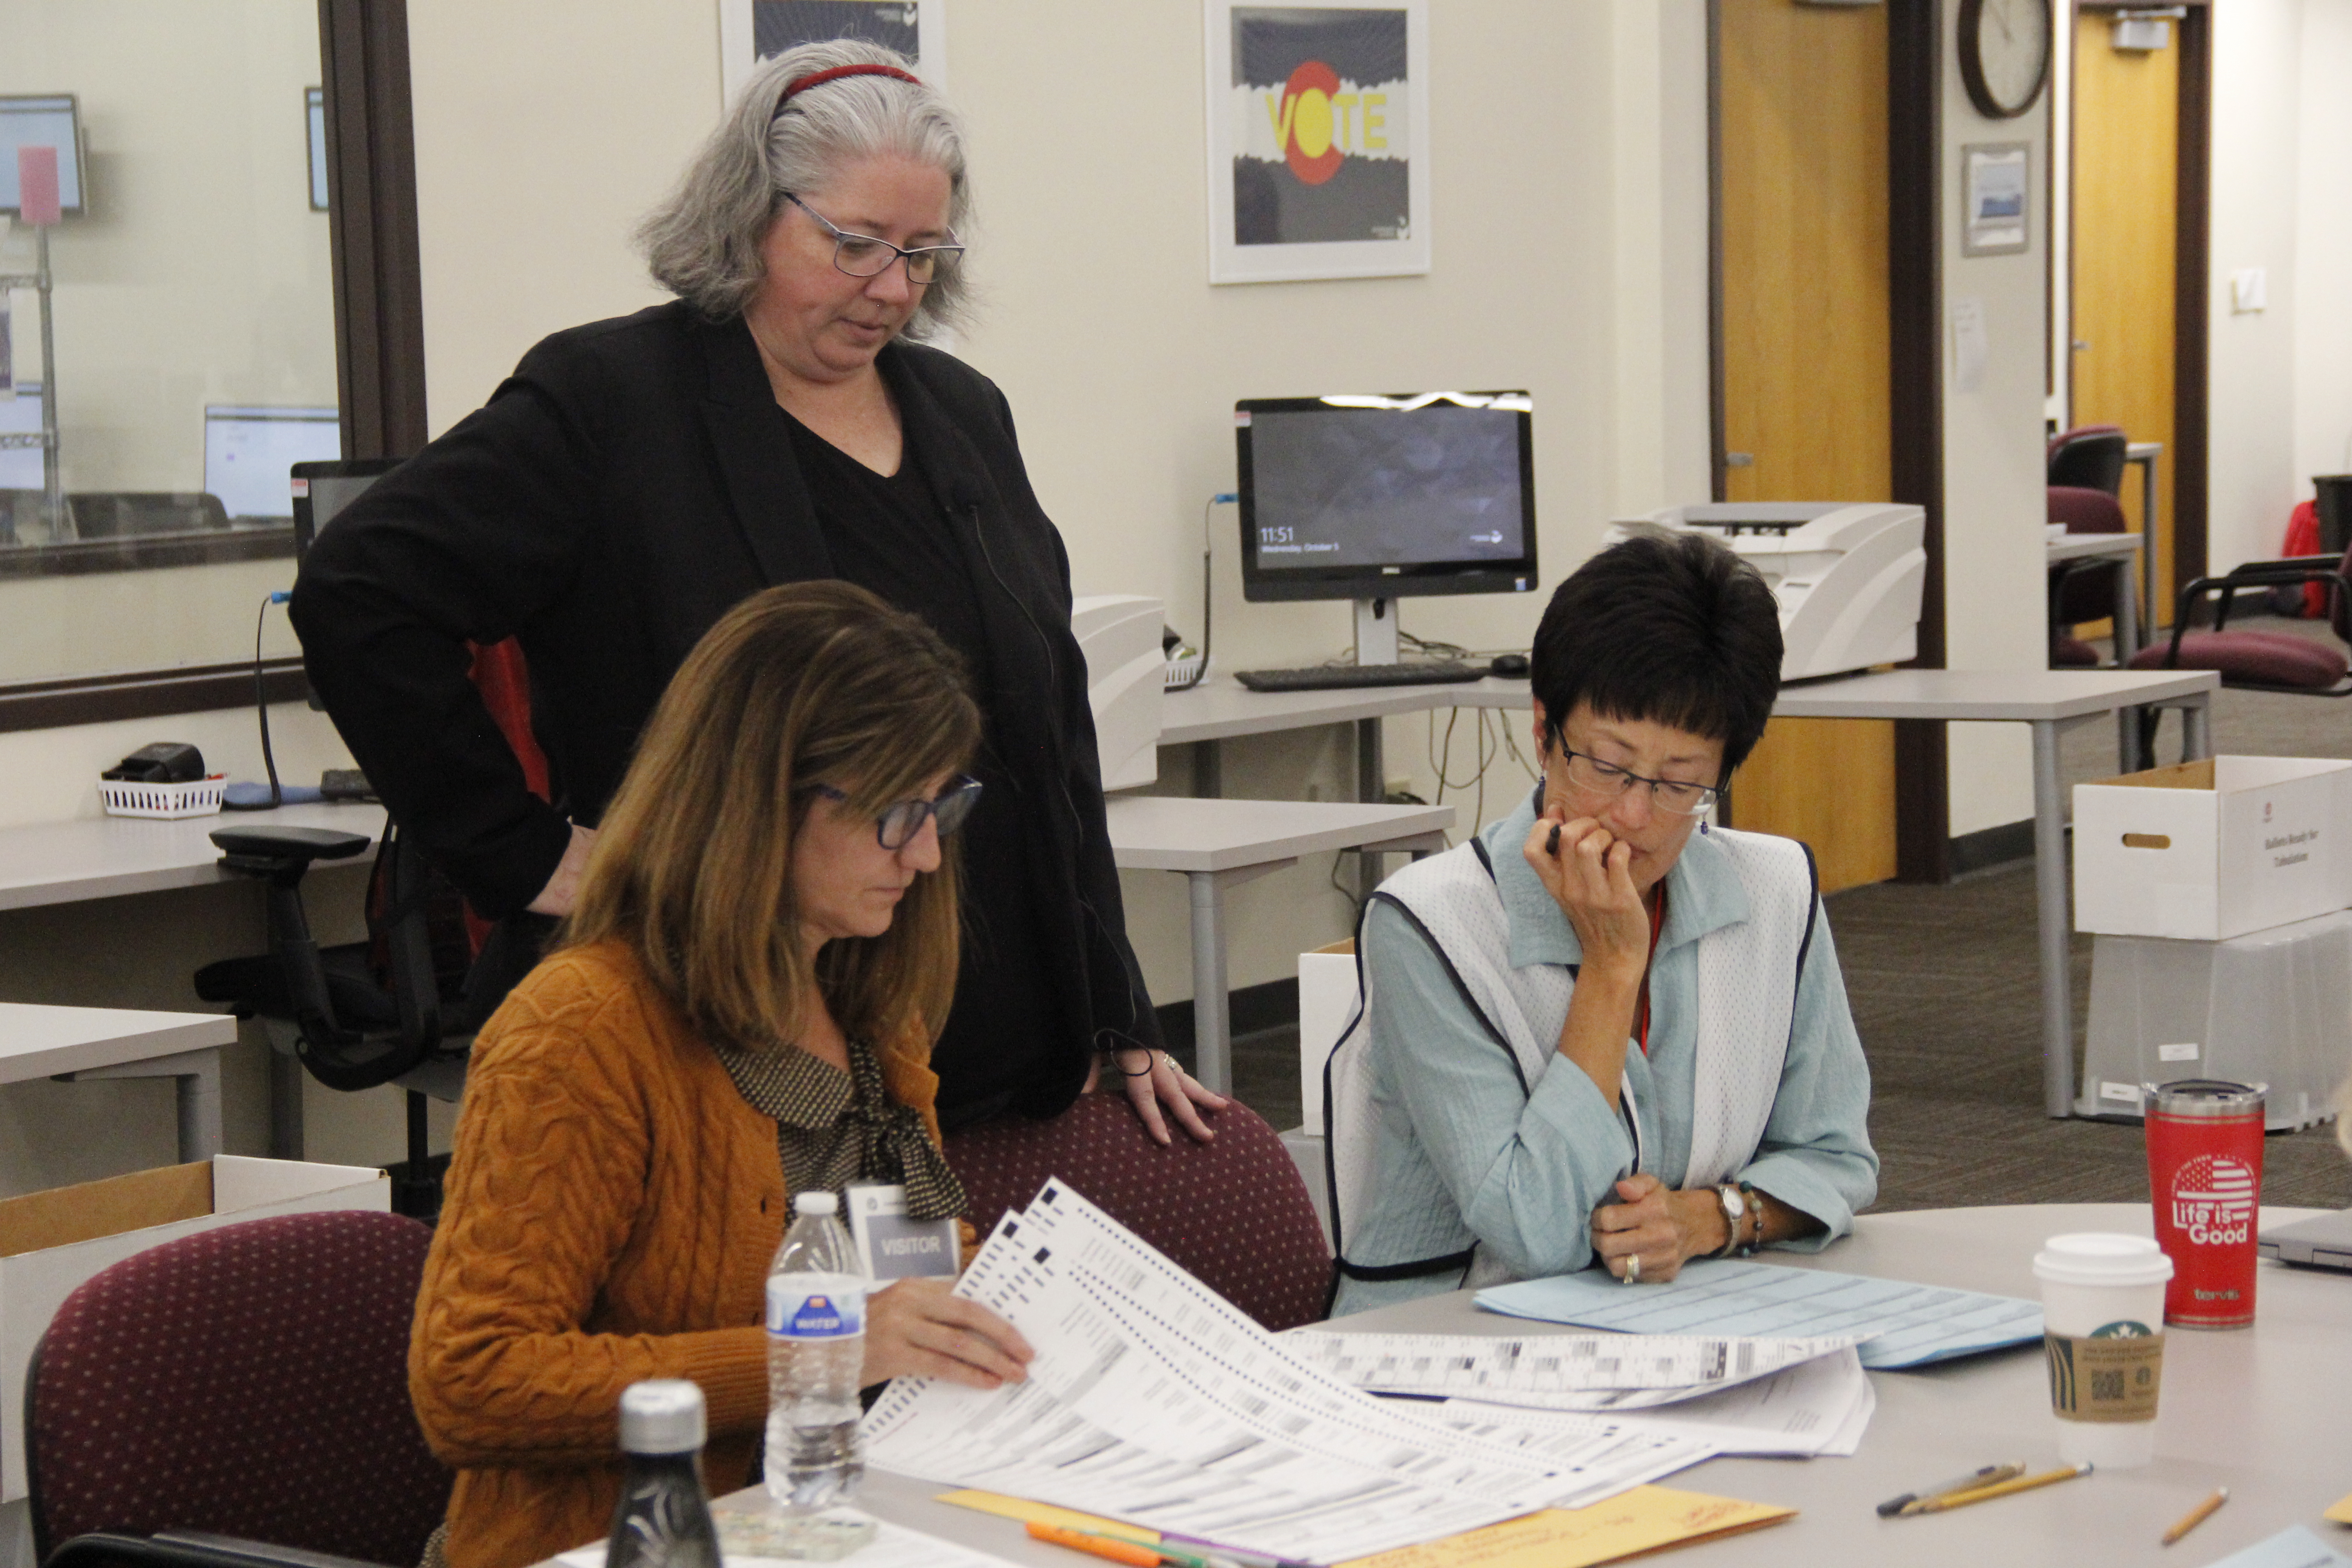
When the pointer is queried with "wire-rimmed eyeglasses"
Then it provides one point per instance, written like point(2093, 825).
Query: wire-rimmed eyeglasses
point(1675, 797)
point(895, 827)
point(863, 255)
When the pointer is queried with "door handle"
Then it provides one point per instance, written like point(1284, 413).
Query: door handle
point(2080, 345)
point(1739, 460)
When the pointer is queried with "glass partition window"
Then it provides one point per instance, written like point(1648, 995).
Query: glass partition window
point(192, 310)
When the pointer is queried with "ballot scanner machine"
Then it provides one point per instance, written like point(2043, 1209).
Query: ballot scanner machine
point(1848, 576)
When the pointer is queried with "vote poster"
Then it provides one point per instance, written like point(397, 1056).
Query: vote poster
point(1319, 162)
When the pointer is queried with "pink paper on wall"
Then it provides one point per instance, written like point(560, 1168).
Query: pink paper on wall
point(37, 185)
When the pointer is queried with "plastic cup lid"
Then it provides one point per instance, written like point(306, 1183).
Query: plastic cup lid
point(663, 1415)
point(2097, 1257)
point(2206, 1097)
point(815, 1203)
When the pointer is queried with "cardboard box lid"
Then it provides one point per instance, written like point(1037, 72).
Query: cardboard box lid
point(2224, 775)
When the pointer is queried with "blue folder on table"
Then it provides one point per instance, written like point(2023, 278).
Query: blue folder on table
point(1906, 1324)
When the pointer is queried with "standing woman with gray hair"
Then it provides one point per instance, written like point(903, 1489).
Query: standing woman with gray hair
point(775, 422)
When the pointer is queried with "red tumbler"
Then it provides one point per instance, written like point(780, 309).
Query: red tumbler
point(2205, 1178)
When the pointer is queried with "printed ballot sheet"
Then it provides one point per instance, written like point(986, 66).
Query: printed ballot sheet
point(1898, 1324)
point(1556, 1372)
point(1155, 1401)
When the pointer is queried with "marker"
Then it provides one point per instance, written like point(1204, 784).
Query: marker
point(1986, 1477)
point(1234, 1555)
point(2002, 1488)
point(1117, 1549)
point(2198, 1515)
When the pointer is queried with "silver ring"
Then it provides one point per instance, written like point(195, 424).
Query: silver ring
point(1633, 1275)
point(1173, 1065)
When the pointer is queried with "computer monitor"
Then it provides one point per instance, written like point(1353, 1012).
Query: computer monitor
point(44, 119)
point(323, 490)
point(1375, 497)
point(20, 467)
point(250, 451)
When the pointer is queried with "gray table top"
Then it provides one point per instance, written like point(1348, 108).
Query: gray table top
point(1170, 832)
point(38, 1041)
point(106, 857)
point(2079, 546)
point(2264, 1411)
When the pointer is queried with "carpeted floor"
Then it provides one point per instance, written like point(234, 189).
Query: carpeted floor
point(1944, 988)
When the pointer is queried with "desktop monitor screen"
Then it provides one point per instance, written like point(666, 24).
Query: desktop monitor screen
point(323, 490)
point(1362, 497)
point(20, 467)
point(46, 121)
point(250, 452)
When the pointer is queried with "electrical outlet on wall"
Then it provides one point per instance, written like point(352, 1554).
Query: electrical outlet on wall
point(2248, 291)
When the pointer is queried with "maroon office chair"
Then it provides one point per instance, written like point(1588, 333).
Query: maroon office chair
point(220, 1398)
point(2089, 457)
point(2083, 590)
point(2257, 662)
point(1233, 1212)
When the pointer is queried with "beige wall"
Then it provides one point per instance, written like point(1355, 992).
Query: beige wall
point(1994, 471)
point(2323, 266)
point(199, 275)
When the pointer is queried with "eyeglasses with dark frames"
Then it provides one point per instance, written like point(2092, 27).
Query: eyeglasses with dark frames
point(1675, 797)
point(895, 827)
point(863, 255)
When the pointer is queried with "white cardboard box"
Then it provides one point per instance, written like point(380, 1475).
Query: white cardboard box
point(50, 1242)
point(2213, 849)
point(1326, 1000)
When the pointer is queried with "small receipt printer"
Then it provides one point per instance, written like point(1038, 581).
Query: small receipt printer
point(165, 761)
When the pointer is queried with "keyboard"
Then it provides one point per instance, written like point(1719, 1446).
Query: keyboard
point(1346, 676)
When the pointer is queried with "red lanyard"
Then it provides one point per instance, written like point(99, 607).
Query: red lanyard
point(1657, 924)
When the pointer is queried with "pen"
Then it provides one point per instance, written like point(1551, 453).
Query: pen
point(1983, 1477)
point(2198, 1515)
point(2002, 1488)
point(1234, 1555)
point(1134, 1553)
point(1118, 1549)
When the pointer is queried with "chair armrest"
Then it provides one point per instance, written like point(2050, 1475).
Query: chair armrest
point(283, 854)
point(188, 1549)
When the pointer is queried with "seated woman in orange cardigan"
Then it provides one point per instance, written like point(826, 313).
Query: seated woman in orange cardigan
point(741, 1007)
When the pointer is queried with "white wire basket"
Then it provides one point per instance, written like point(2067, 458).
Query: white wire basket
point(197, 797)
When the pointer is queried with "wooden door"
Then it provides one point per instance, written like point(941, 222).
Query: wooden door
point(2125, 255)
point(1801, 139)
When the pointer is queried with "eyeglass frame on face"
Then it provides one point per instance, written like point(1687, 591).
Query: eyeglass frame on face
point(950, 808)
point(1624, 779)
point(937, 257)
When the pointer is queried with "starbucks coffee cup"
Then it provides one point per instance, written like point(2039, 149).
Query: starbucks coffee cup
point(2102, 1333)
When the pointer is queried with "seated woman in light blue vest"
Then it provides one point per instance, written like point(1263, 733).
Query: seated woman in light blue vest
point(1602, 1032)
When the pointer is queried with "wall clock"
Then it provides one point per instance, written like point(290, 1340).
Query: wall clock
point(2004, 53)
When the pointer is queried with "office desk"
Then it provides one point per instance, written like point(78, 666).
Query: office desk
point(1221, 844)
point(2048, 701)
point(2259, 1410)
point(2122, 547)
point(77, 1043)
point(107, 856)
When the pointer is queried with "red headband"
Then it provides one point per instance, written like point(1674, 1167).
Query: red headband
point(818, 78)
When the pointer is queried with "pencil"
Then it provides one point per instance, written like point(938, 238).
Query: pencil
point(1134, 1553)
point(1986, 1494)
point(2198, 1515)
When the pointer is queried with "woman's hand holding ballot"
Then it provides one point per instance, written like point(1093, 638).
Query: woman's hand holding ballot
point(915, 1327)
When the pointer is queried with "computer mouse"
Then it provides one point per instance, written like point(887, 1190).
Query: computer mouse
point(1509, 666)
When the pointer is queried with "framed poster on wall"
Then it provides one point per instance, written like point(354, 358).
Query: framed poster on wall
point(1994, 186)
point(1318, 138)
point(750, 31)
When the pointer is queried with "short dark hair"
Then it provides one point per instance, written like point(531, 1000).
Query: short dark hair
point(1672, 628)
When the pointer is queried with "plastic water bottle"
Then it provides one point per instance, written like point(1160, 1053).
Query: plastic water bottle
point(816, 1348)
point(662, 1520)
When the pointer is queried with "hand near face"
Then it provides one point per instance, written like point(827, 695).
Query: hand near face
point(915, 1327)
point(1587, 869)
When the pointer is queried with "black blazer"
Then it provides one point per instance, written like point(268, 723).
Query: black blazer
point(627, 485)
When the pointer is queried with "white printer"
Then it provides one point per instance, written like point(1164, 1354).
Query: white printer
point(1848, 576)
point(1126, 673)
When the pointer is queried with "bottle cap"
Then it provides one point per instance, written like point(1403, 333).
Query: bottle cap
point(664, 1415)
point(2207, 1098)
point(815, 1203)
point(2097, 1257)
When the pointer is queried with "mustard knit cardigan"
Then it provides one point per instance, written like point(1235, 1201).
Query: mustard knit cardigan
point(609, 1215)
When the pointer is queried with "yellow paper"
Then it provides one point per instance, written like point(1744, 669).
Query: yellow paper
point(1646, 1519)
point(1029, 1512)
point(1643, 1520)
point(2342, 1512)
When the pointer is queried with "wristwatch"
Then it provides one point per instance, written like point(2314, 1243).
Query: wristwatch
point(1735, 1210)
